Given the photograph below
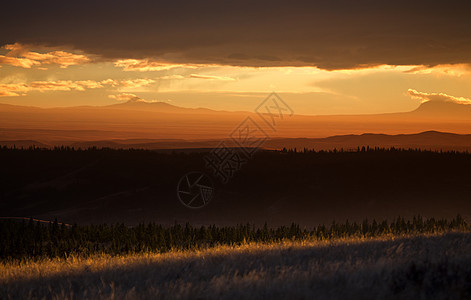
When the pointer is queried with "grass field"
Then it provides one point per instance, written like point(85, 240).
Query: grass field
point(410, 267)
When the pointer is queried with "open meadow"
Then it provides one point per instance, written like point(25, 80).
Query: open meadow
point(417, 266)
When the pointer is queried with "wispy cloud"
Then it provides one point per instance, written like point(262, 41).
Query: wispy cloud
point(60, 85)
point(145, 65)
point(170, 77)
point(65, 85)
point(437, 97)
point(8, 94)
point(457, 70)
point(21, 56)
point(18, 62)
point(20, 89)
point(198, 76)
point(134, 83)
point(110, 81)
point(13, 89)
point(125, 97)
point(211, 77)
point(129, 98)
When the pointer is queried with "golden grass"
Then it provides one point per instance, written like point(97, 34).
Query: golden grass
point(340, 268)
point(99, 262)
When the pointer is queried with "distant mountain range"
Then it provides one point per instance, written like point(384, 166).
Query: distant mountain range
point(157, 107)
point(159, 125)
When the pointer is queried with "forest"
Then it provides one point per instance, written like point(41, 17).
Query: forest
point(308, 187)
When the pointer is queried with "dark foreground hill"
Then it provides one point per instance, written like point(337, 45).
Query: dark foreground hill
point(131, 186)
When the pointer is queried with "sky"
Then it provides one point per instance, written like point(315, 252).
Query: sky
point(322, 57)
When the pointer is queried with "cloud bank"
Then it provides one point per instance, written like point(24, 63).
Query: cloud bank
point(333, 34)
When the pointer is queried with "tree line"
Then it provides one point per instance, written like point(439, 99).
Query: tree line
point(21, 240)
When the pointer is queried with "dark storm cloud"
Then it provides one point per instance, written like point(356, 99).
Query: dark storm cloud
point(328, 34)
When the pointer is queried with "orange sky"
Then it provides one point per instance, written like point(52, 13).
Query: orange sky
point(51, 77)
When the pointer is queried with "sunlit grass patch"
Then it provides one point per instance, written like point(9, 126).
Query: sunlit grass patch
point(417, 265)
